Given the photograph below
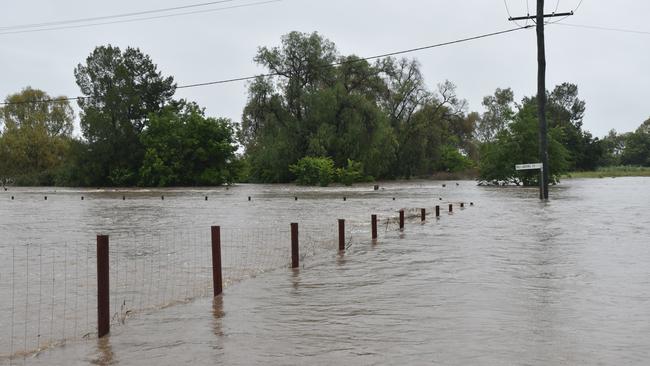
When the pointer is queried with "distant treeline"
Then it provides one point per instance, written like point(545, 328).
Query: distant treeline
point(321, 117)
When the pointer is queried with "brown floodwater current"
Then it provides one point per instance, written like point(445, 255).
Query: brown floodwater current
point(507, 281)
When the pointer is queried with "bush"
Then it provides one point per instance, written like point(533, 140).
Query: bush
point(453, 161)
point(351, 174)
point(311, 171)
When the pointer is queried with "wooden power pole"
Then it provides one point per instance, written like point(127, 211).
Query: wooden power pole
point(541, 92)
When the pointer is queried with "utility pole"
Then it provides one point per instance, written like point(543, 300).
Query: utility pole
point(541, 92)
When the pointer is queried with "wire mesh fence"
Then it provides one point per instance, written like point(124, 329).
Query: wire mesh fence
point(48, 295)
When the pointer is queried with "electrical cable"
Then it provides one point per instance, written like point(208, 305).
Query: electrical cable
point(557, 6)
point(564, 18)
point(505, 2)
point(225, 81)
point(203, 11)
point(105, 17)
point(604, 28)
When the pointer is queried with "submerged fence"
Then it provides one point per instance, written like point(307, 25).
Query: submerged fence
point(49, 293)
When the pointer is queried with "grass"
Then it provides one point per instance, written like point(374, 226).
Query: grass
point(612, 172)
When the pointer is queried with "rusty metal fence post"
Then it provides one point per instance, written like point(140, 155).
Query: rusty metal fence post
point(373, 221)
point(217, 279)
point(295, 254)
point(103, 287)
point(341, 235)
point(451, 207)
point(401, 219)
point(437, 211)
point(423, 214)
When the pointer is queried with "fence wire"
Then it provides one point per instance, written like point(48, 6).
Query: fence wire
point(48, 295)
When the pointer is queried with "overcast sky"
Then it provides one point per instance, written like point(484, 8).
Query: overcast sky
point(610, 68)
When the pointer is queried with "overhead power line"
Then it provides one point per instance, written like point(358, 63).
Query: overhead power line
point(365, 58)
point(604, 28)
point(232, 80)
point(566, 15)
point(202, 11)
point(114, 16)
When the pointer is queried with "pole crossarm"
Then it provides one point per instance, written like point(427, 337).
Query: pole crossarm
point(528, 17)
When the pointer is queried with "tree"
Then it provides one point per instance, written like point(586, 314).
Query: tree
point(311, 108)
point(518, 144)
point(303, 63)
point(36, 132)
point(566, 111)
point(184, 148)
point(613, 145)
point(406, 90)
point(637, 146)
point(498, 114)
point(379, 115)
point(122, 89)
point(437, 127)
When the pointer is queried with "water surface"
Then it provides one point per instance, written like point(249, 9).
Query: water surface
point(507, 281)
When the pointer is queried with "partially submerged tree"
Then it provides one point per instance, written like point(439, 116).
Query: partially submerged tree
point(518, 144)
point(122, 89)
point(184, 148)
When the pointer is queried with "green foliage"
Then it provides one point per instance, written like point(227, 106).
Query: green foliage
point(352, 173)
point(184, 148)
point(498, 114)
point(637, 146)
point(519, 145)
point(322, 117)
point(613, 145)
point(566, 111)
point(35, 137)
point(453, 161)
point(380, 115)
point(311, 171)
point(123, 88)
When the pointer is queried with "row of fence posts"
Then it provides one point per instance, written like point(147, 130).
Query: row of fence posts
point(103, 285)
point(206, 198)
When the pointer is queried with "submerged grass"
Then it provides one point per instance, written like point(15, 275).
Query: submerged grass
point(612, 172)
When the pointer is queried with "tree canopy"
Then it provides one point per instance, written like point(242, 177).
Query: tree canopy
point(35, 137)
point(315, 117)
point(322, 104)
point(184, 148)
point(122, 89)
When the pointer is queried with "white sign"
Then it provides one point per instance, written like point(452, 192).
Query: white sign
point(529, 166)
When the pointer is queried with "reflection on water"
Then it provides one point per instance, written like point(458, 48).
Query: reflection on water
point(104, 352)
point(508, 281)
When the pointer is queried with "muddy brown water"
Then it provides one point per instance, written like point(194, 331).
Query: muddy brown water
point(507, 281)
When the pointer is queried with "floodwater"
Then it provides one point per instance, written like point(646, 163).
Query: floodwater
point(509, 280)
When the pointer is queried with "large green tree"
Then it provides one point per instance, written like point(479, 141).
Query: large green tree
point(518, 144)
point(122, 89)
point(437, 137)
point(312, 108)
point(36, 133)
point(380, 115)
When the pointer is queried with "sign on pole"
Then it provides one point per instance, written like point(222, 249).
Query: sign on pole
point(529, 166)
